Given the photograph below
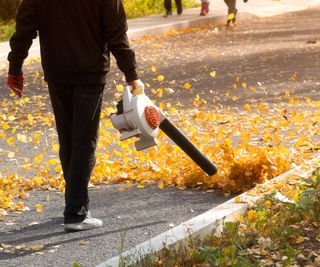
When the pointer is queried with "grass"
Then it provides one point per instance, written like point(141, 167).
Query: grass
point(140, 8)
point(272, 233)
point(6, 30)
point(134, 9)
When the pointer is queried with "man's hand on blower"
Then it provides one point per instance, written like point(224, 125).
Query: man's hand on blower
point(137, 87)
point(15, 83)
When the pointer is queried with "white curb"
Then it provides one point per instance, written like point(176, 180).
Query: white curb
point(199, 226)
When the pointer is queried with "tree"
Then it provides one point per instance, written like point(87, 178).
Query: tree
point(8, 9)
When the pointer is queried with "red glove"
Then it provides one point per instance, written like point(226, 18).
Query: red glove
point(15, 83)
point(137, 87)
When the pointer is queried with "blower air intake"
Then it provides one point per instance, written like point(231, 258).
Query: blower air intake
point(137, 116)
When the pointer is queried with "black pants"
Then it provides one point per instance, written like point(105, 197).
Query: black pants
point(77, 111)
point(168, 6)
point(231, 4)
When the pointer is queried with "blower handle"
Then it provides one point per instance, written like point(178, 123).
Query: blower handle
point(188, 147)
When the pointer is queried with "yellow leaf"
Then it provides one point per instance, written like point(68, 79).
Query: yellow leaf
point(252, 89)
point(38, 158)
point(247, 107)
point(294, 77)
point(161, 185)
point(55, 147)
point(262, 107)
point(197, 102)
point(36, 138)
point(160, 78)
point(244, 85)
point(53, 161)
point(238, 199)
point(187, 86)
point(140, 186)
point(11, 155)
point(39, 208)
point(10, 141)
point(169, 90)
point(30, 118)
point(159, 92)
point(5, 126)
point(298, 240)
point(58, 169)
point(286, 94)
point(37, 247)
point(22, 138)
point(293, 101)
point(11, 118)
point(213, 74)
point(36, 74)
point(267, 203)
point(235, 98)
point(153, 69)
point(119, 88)
point(252, 215)
point(308, 100)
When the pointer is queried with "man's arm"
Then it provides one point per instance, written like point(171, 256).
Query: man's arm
point(115, 31)
point(21, 41)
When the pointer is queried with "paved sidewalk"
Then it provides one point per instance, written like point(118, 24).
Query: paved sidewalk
point(153, 25)
point(263, 53)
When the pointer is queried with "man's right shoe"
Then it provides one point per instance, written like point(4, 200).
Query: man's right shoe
point(167, 14)
point(87, 224)
point(204, 9)
point(231, 19)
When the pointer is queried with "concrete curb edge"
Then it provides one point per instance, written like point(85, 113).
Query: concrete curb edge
point(180, 25)
point(198, 226)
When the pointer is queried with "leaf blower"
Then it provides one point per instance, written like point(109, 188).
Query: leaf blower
point(137, 116)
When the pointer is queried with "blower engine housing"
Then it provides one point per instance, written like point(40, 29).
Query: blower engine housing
point(138, 116)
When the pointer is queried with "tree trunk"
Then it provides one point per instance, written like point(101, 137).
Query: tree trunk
point(8, 9)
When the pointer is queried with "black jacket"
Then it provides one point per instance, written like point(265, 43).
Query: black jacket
point(76, 38)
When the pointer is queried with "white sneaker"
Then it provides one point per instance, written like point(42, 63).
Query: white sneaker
point(87, 224)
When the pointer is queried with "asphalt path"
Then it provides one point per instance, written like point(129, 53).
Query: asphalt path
point(273, 55)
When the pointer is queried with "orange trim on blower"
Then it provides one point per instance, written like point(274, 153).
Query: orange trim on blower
point(152, 116)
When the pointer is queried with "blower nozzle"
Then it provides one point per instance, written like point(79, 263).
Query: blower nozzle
point(138, 116)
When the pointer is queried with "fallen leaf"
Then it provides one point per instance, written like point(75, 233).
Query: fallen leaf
point(213, 74)
point(187, 86)
point(39, 208)
point(297, 240)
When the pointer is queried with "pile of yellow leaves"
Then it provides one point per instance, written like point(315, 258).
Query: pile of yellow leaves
point(249, 145)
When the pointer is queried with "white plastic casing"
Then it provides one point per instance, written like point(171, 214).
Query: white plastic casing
point(133, 118)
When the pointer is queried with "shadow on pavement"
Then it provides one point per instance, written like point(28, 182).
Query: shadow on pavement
point(57, 232)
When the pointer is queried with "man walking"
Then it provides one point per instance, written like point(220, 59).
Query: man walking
point(168, 7)
point(232, 12)
point(76, 38)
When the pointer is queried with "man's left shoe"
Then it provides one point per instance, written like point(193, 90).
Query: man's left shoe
point(231, 19)
point(167, 14)
point(204, 9)
point(87, 224)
